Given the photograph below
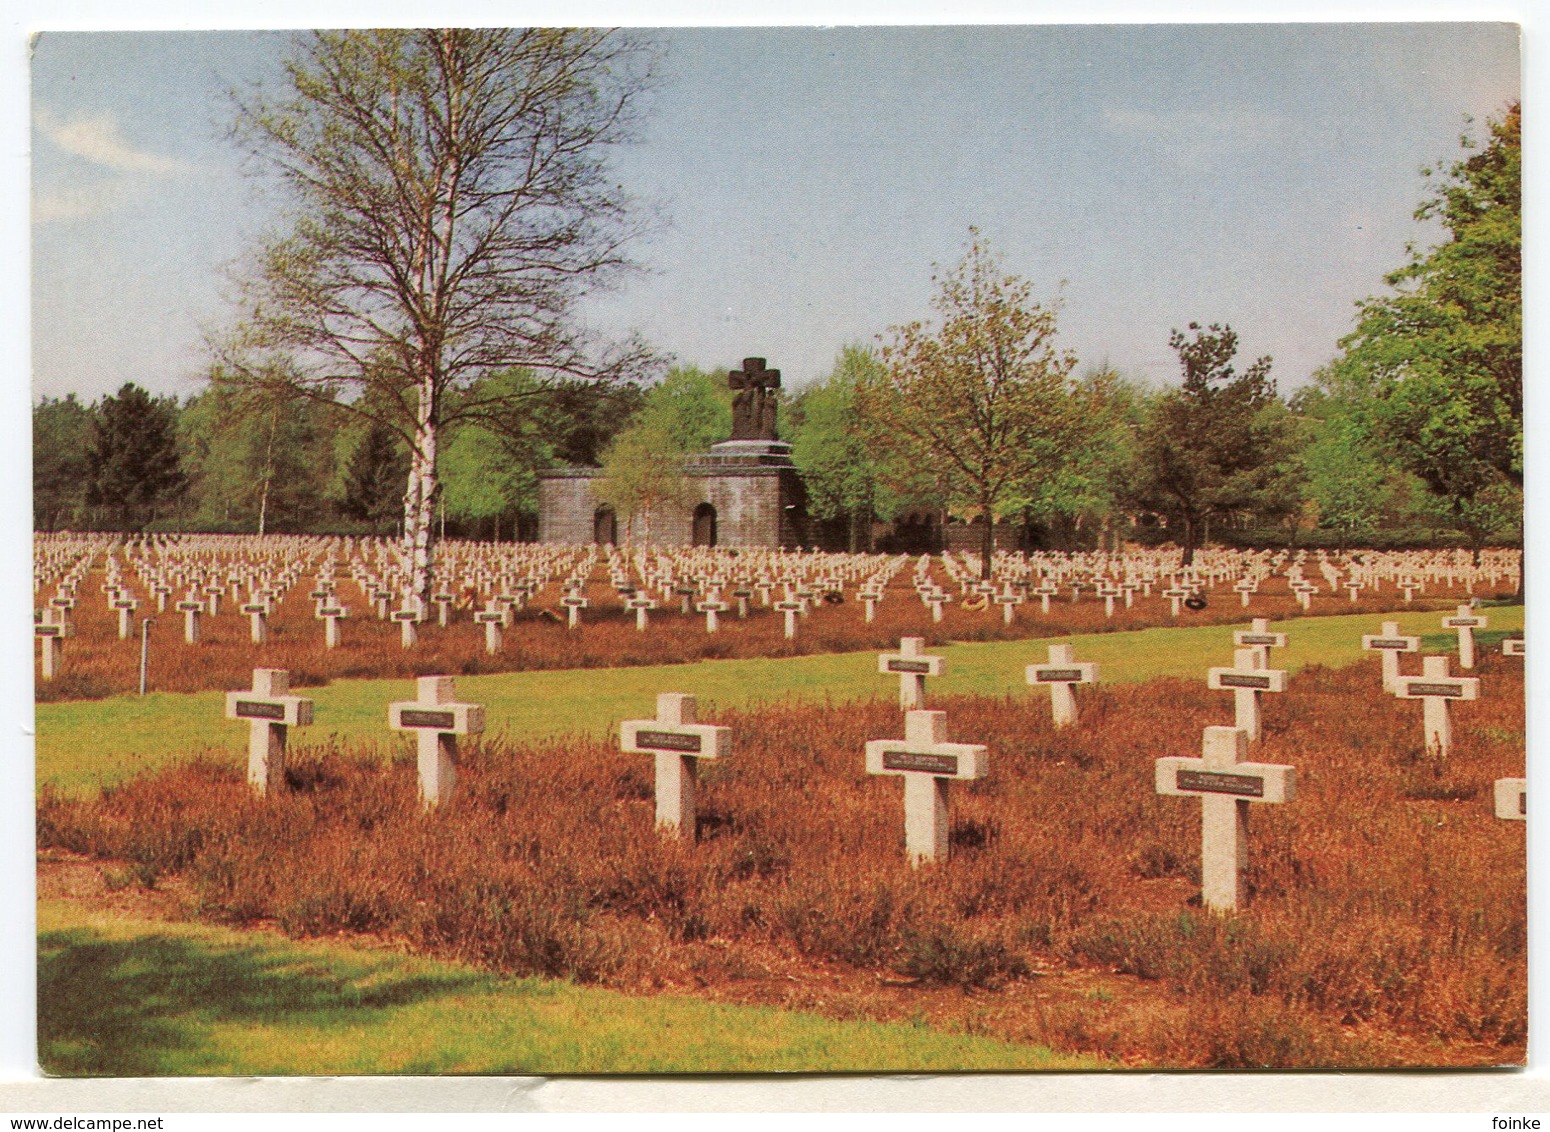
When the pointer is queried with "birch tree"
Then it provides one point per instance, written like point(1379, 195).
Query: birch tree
point(451, 203)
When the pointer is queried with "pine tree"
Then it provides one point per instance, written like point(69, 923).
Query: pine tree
point(374, 478)
point(132, 459)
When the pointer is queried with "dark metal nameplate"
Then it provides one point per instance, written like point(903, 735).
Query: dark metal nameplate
point(1058, 675)
point(909, 666)
point(48, 630)
point(1229, 680)
point(439, 720)
point(1218, 782)
point(1258, 639)
point(667, 741)
point(1455, 690)
point(1390, 643)
point(917, 760)
point(1462, 622)
point(257, 709)
point(331, 612)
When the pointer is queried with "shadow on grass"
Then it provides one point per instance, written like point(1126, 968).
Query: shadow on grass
point(143, 1006)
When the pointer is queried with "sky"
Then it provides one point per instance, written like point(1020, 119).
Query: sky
point(803, 183)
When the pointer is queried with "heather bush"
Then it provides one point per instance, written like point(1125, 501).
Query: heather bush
point(1376, 907)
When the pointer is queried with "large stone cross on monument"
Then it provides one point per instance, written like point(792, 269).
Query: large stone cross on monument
point(753, 407)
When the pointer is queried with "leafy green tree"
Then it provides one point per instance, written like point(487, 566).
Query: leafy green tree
point(643, 475)
point(1086, 492)
point(848, 473)
point(452, 206)
point(1217, 446)
point(689, 405)
point(985, 398)
point(1441, 358)
point(132, 466)
point(374, 478)
point(255, 463)
point(61, 430)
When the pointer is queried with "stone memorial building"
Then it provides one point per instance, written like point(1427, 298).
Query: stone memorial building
point(745, 491)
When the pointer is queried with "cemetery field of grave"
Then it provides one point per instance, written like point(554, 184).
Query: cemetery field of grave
point(1373, 916)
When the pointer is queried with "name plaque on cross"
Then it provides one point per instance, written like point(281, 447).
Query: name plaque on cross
point(1415, 689)
point(911, 665)
point(1238, 680)
point(667, 741)
point(1057, 675)
point(920, 666)
point(251, 709)
point(411, 718)
point(1219, 782)
point(897, 758)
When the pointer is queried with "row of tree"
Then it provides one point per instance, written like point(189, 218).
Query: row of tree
point(450, 205)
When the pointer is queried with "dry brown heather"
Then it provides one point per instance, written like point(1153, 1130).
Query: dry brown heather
point(1386, 926)
point(97, 664)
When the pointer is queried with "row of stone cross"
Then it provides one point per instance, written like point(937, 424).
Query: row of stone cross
point(1222, 777)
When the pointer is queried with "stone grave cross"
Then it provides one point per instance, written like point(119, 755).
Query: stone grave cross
point(1390, 644)
point(1247, 681)
point(1466, 623)
point(436, 720)
point(493, 618)
point(1511, 797)
point(1061, 675)
point(1435, 688)
point(1259, 638)
point(1225, 785)
point(51, 631)
point(270, 711)
point(928, 763)
point(912, 666)
point(678, 742)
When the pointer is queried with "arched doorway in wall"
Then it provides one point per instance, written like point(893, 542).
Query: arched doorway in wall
point(704, 525)
point(605, 526)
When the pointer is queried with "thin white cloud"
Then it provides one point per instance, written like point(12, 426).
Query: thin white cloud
point(98, 140)
point(74, 204)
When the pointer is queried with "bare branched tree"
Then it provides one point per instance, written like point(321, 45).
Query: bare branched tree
point(451, 204)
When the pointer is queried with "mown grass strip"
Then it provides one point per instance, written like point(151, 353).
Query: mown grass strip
point(83, 745)
point(126, 997)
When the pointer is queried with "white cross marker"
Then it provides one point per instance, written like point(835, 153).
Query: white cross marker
point(1466, 623)
point(330, 614)
point(642, 603)
point(1390, 644)
point(677, 741)
point(1260, 639)
point(1060, 675)
point(493, 618)
point(1008, 602)
point(1246, 680)
point(1511, 797)
point(437, 721)
point(912, 666)
point(1175, 594)
point(574, 603)
point(1044, 591)
point(928, 764)
point(258, 622)
point(1513, 646)
point(1435, 688)
point(191, 610)
point(1225, 785)
point(126, 607)
point(1245, 587)
point(270, 711)
point(790, 608)
point(710, 607)
point(51, 632)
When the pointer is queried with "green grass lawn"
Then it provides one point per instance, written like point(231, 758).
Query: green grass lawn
point(82, 745)
point(126, 997)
